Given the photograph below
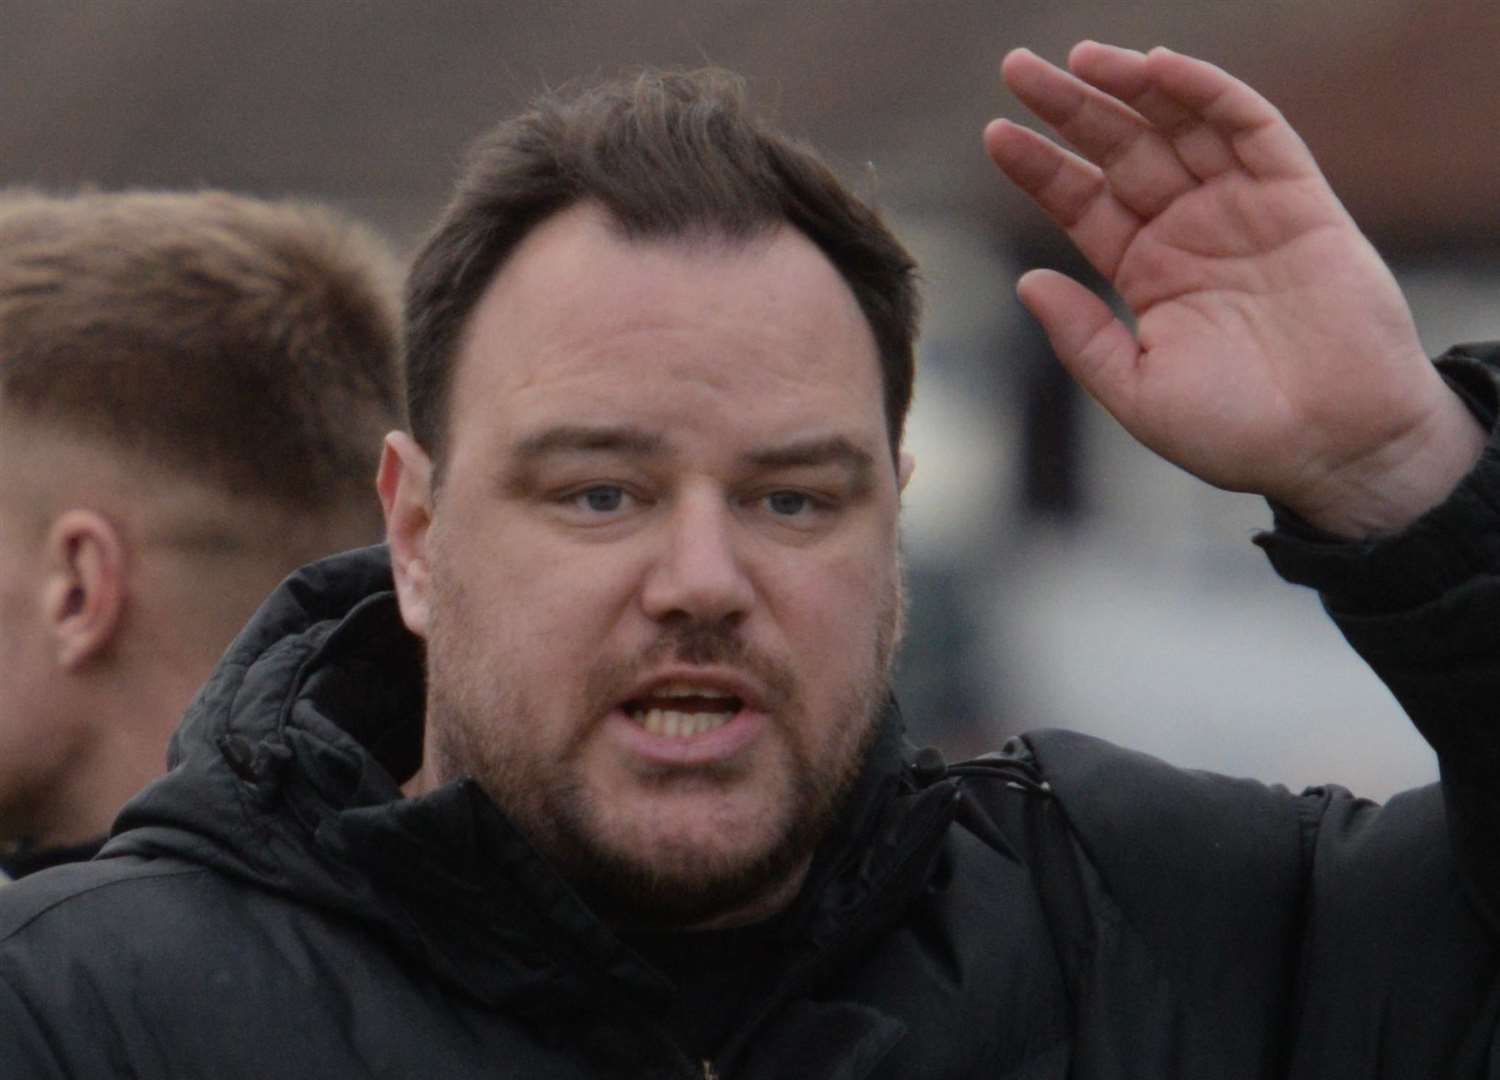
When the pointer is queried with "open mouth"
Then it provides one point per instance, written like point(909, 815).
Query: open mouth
point(678, 710)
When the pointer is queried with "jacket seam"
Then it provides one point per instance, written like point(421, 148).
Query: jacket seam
point(149, 875)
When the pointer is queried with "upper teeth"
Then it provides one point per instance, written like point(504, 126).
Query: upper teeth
point(670, 722)
point(676, 722)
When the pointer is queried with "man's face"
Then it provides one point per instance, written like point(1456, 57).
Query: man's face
point(31, 753)
point(44, 745)
point(660, 581)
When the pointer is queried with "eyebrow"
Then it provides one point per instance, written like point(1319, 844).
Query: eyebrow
point(835, 450)
point(832, 450)
point(584, 438)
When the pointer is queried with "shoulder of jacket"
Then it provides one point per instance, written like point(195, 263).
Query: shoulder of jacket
point(79, 898)
point(1188, 855)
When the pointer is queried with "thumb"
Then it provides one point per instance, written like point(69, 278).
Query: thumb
point(1096, 348)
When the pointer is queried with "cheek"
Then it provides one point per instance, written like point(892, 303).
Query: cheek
point(536, 597)
point(831, 611)
point(576, 598)
point(29, 715)
point(38, 743)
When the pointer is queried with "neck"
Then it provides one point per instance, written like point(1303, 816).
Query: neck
point(122, 718)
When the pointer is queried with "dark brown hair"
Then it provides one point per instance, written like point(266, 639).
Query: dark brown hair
point(667, 155)
point(252, 345)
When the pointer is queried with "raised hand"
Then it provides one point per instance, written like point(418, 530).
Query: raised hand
point(1272, 350)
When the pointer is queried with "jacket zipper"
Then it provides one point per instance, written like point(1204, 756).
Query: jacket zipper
point(709, 1072)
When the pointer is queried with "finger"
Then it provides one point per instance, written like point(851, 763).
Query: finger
point(1070, 190)
point(1124, 73)
point(1097, 348)
point(1140, 165)
point(1262, 142)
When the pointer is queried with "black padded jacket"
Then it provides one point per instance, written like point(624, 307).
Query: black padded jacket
point(273, 907)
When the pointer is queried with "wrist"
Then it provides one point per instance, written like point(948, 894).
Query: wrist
point(1408, 477)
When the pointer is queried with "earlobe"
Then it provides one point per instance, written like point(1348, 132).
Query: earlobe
point(405, 484)
point(84, 586)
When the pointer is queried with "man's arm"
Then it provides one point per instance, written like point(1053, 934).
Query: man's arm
point(1272, 351)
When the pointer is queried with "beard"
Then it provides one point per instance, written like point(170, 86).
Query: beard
point(481, 725)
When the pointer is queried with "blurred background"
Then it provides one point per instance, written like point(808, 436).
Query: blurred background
point(1060, 575)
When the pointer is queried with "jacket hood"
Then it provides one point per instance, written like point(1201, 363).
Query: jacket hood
point(286, 773)
point(258, 765)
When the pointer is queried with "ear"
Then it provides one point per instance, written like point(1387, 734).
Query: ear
point(83, 597)
point(905, 466)
point(405, 484)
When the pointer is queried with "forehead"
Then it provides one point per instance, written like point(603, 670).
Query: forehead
point(761, 338)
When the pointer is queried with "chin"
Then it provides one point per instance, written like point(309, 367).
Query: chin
point(688, 889)
point(641, 872)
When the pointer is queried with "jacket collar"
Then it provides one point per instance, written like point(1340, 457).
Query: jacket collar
point(298, 743)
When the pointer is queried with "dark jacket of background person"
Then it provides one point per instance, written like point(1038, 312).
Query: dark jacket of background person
point(1067, 908)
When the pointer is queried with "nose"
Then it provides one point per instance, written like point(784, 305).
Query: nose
point(697, 572)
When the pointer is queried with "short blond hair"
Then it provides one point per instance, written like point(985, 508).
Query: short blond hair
point(250, 345)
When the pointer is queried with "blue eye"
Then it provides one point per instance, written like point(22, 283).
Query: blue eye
point(787, 503)
point(604, 499)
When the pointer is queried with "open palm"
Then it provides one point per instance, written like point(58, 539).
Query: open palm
point(1271, 351)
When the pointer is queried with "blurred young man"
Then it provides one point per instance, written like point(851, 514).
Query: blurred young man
point(629, 657)
point(190, 387)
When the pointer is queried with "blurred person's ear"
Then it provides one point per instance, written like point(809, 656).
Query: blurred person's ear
point(83, 599)
point(405, 485)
